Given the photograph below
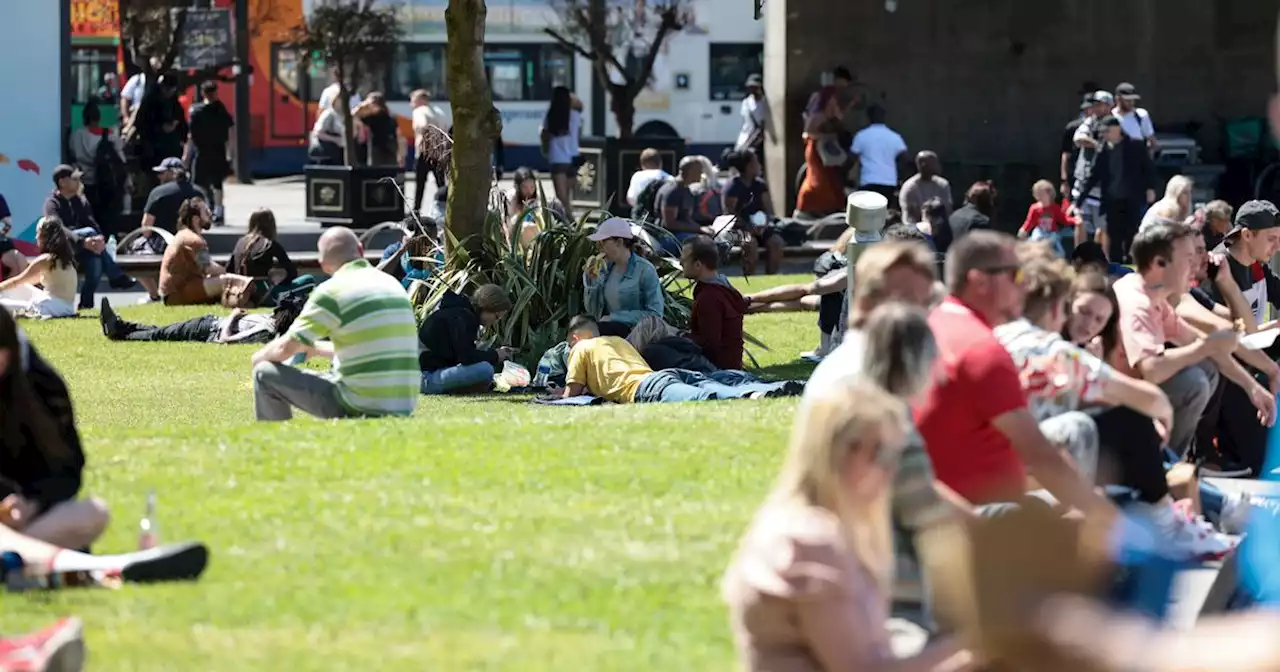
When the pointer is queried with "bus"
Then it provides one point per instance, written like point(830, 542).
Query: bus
point(695, 92)
point(95, 50)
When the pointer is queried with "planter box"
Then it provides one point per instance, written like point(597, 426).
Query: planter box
point(607, 166)
point(358, 197)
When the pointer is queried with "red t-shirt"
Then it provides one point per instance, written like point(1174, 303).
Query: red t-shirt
point(1048, 218)
point(974, 383)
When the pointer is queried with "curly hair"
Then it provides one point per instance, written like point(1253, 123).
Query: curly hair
point(54, 241)
point(191, 212)
point(1047, 282)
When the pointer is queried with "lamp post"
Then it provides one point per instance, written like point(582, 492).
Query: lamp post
point(243, 72)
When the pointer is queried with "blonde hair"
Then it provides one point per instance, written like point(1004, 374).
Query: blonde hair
point(1043, 185)
point(1177, 186)
point(900, 349)
point(870, 285)
point(827, 432)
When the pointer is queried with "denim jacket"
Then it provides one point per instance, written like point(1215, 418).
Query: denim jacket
point(640, 292)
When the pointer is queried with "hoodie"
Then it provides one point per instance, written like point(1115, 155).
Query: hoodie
point(448, 336)
point(716, 323)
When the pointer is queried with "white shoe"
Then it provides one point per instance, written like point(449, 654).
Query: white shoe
point(821, 353)
point(1190, 537)
point(1235, 513)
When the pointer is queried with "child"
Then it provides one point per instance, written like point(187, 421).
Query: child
point(1045, 218)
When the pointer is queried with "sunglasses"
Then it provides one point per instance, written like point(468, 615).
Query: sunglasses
point(1014, 271)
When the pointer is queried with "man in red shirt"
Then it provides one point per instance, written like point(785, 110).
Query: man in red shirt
point(974, 419)
point(715, 323)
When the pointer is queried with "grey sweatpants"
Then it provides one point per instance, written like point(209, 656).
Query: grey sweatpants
point(1189, 391)
point(280, 388)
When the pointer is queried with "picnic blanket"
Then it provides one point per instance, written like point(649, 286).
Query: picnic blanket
point(580, 400)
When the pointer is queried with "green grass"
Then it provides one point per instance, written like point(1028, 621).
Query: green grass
point(482, 534)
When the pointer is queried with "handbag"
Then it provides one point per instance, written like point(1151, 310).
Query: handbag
point(240, 295)
point(830, 151)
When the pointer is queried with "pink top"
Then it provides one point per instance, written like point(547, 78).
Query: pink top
point(799, 599)
point(1146, 324)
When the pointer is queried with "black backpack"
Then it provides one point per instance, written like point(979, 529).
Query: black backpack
point(108, 169)
point(646, 207)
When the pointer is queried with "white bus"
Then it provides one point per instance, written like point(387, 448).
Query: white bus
point(695, 91)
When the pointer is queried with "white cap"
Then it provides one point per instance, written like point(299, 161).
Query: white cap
point(614, 227)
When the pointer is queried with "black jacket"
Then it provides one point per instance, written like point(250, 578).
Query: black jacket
point(1139, 173)
point(448, 336)
point(677, 352)
point(75, 212)
point(24, 469)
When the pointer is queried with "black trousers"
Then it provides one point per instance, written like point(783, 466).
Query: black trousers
point(1123, 218)
point(197, 329)
point(829, 307)
point(615, 329)
point(421, 169)
point(1242, 439)
point(1130, 452)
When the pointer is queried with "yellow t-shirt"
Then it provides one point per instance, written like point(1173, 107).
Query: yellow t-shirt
point(609, 367)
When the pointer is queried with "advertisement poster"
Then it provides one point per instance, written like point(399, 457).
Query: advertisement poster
point(95, 18)
point(31, 62)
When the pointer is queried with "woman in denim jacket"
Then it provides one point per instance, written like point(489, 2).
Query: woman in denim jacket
point(621, 286)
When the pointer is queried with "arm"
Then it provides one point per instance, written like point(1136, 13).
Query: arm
point(1140, 395)
point(283, 260)
point(278, 351)
point(576, 370)
point(1204, 321)
point(1029, 223)
point(29, 275)
point(314, 323)
point(1159, 368)
point(224, 336)
point(1048, 465)
point(1083, 138)
point(463, 341)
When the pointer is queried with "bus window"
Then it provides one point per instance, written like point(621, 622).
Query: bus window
point(418, 66)
point(286, 67)
point(730, 66)
point(556, 70)
point(527, 72)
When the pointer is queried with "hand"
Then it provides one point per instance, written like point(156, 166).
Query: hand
point(216, 269)
point(238, 312)
point(16, 512)
point(1072, 211)
point(505, 353)
point(1151, 196)
point(1265, 403)
point(1162, 429)
point(593, 267)
point(554, 391)
point(95, 244)
point(1222, 342)
point(1273, 378)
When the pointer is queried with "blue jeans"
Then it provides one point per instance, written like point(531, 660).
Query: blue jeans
point(93, 266)
point(677, 385)
point(443, 381)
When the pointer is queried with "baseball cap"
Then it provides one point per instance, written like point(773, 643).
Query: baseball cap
point(614, 227)
point(689, 161)
point(63, 171)
point(755, 80)
point(1255, 216)
point(171, 163)
point(1103, 97)
point(1127, 90)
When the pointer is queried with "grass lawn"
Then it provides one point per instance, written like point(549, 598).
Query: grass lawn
point(482, 534)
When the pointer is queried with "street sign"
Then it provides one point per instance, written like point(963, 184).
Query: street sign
point(206, 39)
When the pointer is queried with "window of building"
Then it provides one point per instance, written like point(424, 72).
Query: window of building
point(87, 68)
point(730, 66)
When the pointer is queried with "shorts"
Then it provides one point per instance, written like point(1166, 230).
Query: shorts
point(1091, 217)
point(566, 169)
point(189, 294)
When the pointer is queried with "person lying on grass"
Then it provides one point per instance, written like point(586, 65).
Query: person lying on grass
point(171, 562)
point(238, 327)
point(610, 368)
point(40, 455)
point(373, 340)
point(450, 359)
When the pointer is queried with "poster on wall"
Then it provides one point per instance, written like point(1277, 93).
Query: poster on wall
point(31, 62)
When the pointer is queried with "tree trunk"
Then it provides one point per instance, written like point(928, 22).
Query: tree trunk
point(348, 124)
point(624, 110)
point(475, 125)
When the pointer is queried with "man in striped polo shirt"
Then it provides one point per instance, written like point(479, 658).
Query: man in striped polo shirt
point(361, 318)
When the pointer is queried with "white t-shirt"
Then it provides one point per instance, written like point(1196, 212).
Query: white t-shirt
point(643, 178)
point(842, 366)
point(134, 88)
point(1136, 124)
point(563, 149)
point(878, 147)
point(329, 121)
point(330, 92)
point(427, 116)
point(755, 114)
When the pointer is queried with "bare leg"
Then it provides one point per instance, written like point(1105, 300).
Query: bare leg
point(14, 261)
point(560, 182)
point(785, 293)
point(804, 305)
point(73, 524)
point(773, 256)
point(163, 563)
point(152, 286)
point(1103, 240)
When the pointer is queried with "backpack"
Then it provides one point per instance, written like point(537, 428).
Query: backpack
point(108, 169)
point(646, 207)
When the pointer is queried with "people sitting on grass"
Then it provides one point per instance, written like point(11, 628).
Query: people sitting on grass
point(610, 368)
point(372, 337)
point(259, 253)
point(416, 255)
point(54, 270)
point(746, 198)
point(715, 322)
point(41, 459)
point(68, 205)
point(982, 438)
point(621, 286)
point(1188, 372)
point(810, 584)
point(523, 206)
point(451, 361)
point(239, 327)
point(188, 274)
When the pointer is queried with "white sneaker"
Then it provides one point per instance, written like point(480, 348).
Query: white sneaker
point(820, 353)
point(1191, 537)
point(1235, 513)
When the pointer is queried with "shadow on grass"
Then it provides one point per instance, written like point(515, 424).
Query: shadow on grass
point(795, 370)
